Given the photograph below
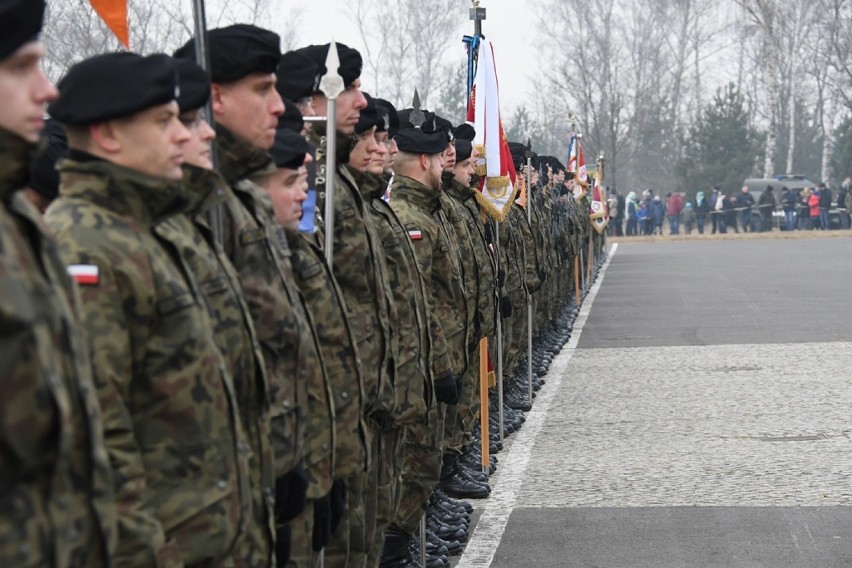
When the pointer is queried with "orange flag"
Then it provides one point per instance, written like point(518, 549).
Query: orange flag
point(114, 15)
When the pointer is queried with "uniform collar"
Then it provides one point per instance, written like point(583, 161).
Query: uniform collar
point(203, 187)
point(238, 159)
point(119, 189)
point(416, 193)
point(459, 191)
point(15, 157)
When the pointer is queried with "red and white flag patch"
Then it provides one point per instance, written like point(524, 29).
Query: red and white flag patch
point(88, 274)
point(415, 235)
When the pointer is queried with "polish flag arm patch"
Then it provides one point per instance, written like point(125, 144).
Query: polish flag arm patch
point(415, 235)
point(88, 274)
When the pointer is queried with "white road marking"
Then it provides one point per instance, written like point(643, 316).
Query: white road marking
point(484, 541)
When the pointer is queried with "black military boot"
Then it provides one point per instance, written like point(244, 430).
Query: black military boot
point(457, 485)
point(395, 551)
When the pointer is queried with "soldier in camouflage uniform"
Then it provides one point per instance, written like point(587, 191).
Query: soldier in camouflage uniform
point(359, 267)
point(170, 408)
point(286, 187)
point(246, 108)
point(370, 165)
point(415, 198)
point(234, 330)
point(57, 505)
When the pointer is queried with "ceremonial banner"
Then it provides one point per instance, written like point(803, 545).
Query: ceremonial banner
point(577, 165)
point(114, 15)
point(497, 188)
point(598, 211)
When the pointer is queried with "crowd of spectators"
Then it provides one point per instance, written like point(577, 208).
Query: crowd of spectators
point(799, 209)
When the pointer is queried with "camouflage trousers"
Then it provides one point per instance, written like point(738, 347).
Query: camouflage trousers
point(348, 545)
point(389, 459)
point(302, 554)
point(459, 418)
point(421, 469)
point(514, 345)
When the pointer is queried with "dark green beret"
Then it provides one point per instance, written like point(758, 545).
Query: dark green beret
point(289, 149)
point(369, 116)
point(417, 141)
point(350, 63)
point(464, 149)
point(292, 118)
point(297, 76)
point(114, 85)
point(238, 51)
point(194, 85)
point(20, 23)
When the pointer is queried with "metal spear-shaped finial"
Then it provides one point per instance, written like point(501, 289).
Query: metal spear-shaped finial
point(529, 153)
point(417, 117)
point(332, 83)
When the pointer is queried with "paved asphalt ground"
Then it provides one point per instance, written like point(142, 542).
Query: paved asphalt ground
point(700, 417)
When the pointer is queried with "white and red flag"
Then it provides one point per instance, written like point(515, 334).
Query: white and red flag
point(498, 185)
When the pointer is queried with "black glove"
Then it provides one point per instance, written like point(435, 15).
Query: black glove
point(505, 307)
point(542, 276)
point(282, 545)
point(322, 523)
point(448, 389)
point(382, 420)
point(337, 497)
point(290, 490)
point(489, 233)
point(501, 277)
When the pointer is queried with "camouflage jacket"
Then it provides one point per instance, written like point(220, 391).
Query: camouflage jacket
point(413, 381)
point(56, 496)
point(360, 271)
point(258, 249)
point(512, 252)
point(237, 341)
point(518, 218)
point(337, 351)
point(419, 209)
point(171, 414)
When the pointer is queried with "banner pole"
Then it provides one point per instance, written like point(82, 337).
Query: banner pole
point(529, 294)
point(483, 404)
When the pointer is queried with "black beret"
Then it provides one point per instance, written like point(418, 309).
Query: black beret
point(289, 149)
point(20, 23)
point(350, 62)
point(292, 118)
point(296, 76)
point(237, 51)
point(417, 141)
point(429, 120)
point(466, 131)
point(464, 149)
point(444, 125)
point(392, 117)
point(114, 85)
point(44, 177)
point(194, 85)
point(369, 116)
point(518, 151)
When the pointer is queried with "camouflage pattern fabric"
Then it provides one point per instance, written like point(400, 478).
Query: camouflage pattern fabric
point(170, 409)
point(56, 497)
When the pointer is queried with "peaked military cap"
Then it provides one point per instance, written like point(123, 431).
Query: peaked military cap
point(289, 149)
point(418, 141)
point(114, 85)
point(291, 118)
point(238, 51)
point(194, 84)
point(44, 177)
point(20, 23)
point(369, 116)
point(297, 75)
point(392, 117)
point(464, 149)
point(350, 63)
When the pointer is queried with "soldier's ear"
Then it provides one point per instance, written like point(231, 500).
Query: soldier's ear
point(104, 137)
point(216, 92)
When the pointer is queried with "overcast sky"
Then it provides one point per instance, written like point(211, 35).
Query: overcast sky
point(324, 20)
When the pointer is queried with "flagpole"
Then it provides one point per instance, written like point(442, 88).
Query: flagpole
point(529, 294)
point(331, 85)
